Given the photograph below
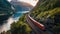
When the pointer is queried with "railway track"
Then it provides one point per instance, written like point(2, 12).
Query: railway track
point(36, 26)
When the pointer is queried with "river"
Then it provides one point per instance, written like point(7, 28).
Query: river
point(21, 9)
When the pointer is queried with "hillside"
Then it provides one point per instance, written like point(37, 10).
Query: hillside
point(46, 12)
point(20, 27)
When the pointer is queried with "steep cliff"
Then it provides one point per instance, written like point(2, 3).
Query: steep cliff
point(6, 10)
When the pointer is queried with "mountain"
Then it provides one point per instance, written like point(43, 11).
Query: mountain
point(6, 10)
point(46, 12)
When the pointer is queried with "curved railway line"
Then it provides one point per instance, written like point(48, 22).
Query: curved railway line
point(36, 26)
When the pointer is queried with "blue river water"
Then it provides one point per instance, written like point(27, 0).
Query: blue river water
point(20, 11)
point(16, 15)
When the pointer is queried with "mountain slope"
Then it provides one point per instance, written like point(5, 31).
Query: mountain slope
point(5, 7)
point(6, 10)
point(47, 12)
